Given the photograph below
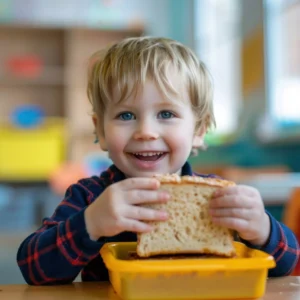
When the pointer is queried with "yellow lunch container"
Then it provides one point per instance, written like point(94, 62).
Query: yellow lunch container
point(242, 277)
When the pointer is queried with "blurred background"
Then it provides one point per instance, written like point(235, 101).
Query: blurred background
point(252, 48)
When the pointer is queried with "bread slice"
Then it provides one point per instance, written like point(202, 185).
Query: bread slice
point(189, 229)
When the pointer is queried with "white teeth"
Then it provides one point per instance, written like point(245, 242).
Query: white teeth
point(148, 153)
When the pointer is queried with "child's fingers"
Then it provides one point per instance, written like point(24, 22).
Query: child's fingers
point(136, 226)
point(233, 190)
point(145, 214)
point(232, 201)
point(139, 183)
point(146, 196)
point(241, 213)
point(240, 225)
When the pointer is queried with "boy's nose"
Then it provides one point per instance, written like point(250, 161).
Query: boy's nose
point(145, 133)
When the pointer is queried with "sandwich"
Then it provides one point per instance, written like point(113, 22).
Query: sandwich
point(189, 229)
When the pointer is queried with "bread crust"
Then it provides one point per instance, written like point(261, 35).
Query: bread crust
point(204, 251)
point(174, 178)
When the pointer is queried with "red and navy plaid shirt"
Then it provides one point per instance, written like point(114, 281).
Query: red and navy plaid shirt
point(61, 248)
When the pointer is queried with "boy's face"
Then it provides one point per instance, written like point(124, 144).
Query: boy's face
point(148, 134)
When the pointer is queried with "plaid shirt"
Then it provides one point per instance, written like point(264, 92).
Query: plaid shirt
point(61, 247)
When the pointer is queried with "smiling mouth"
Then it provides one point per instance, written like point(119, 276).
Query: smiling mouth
point(148, 156)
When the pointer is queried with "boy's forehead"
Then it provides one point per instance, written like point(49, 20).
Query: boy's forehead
point(151, 90)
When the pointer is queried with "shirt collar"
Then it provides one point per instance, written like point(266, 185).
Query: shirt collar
point(186, 170)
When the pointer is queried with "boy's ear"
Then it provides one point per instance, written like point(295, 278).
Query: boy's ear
point(198, 141)
point(99, 130)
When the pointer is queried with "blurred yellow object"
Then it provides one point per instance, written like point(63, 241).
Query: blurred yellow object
point(243, 277)
point(31, 154)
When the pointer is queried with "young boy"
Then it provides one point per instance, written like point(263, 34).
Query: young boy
point(152, 102)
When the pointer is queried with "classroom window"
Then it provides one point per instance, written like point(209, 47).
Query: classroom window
point(282, 21)
point(218, 44)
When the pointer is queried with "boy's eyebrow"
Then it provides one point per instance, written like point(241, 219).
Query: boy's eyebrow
point(177, 103)
point(123, 106)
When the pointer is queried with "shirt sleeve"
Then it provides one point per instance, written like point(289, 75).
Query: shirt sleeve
point(283, 246)
point(57, 252)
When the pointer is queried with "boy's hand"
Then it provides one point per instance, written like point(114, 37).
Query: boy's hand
point(116, 210)
point(241, 208)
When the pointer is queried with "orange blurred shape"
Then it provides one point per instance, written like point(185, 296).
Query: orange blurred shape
point(291, 219)
point(66, 175)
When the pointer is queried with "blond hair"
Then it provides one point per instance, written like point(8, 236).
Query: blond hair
point(130, 62)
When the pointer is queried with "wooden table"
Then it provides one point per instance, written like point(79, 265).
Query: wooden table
point(287, 288)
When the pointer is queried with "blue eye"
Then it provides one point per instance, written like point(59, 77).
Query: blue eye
point(126, 116)
point(165, 114)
